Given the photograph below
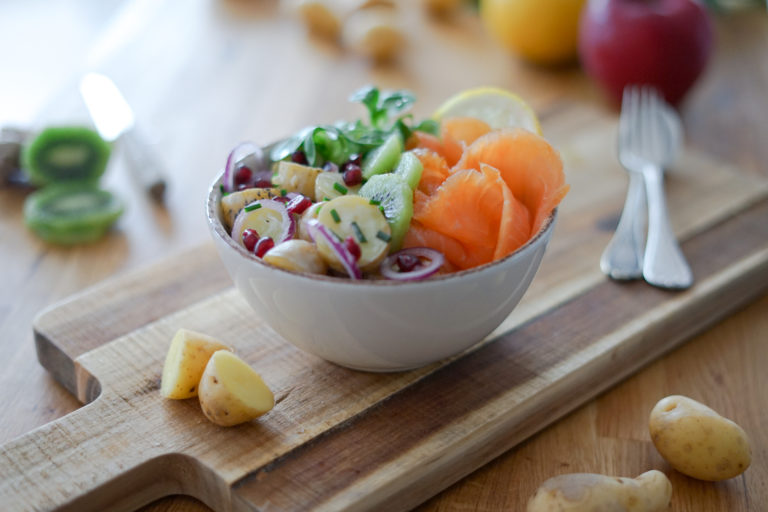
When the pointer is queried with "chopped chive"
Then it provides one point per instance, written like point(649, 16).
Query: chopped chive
point(326, 199)
point(340, 188)
point(375, 202)
point(335, 215)
point(358, 233)
point(253, 206)
point(283, 192)
point(221, 188)
point(338, 237)
point(317, 212)
point(382, 210)
point(383, 236)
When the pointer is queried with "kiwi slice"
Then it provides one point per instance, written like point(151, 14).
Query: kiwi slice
point(71, 213)
point(65, 153)
point(393, 194)
point(383, 158)
point(409, 168)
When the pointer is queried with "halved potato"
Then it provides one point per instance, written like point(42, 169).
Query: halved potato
point(185, 362)
point(231, 392)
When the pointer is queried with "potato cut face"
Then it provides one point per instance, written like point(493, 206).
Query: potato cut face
point(185, 363)
point(243, 382)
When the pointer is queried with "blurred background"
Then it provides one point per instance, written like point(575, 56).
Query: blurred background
point(202, 75)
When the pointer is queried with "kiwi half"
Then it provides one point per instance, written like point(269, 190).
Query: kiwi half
point(71, 213)
point(65, 153)
point(394, 195)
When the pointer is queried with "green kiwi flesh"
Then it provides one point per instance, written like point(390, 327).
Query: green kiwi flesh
point(71, 213)
point(395, 197)
point(65, 153)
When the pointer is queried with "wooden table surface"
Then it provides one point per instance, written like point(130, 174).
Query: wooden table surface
point(159, 53)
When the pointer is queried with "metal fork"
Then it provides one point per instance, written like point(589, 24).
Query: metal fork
point(623, 257)
point(653, 141)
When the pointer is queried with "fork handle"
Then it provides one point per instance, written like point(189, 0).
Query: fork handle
point(663, 263)
point(623, 257)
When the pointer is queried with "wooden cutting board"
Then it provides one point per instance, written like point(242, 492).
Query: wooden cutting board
point(345, 440)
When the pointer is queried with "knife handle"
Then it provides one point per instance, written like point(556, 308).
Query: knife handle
point(144, 163)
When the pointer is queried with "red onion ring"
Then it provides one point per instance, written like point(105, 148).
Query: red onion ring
point(239, 153)
point(435, 261)
point(317, 230)
point(288, 223)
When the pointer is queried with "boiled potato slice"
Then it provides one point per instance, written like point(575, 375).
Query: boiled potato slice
point(185, 362)
point(356, 217)
point(697, 441)
point(232, 204)
point(581, 492)
point(297, 256)
point(330, 185)
point(297, 178)
point(231, 392)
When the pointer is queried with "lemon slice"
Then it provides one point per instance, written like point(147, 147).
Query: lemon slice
point(497, 107)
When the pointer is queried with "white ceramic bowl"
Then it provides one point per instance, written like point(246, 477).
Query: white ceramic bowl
point(379, 325)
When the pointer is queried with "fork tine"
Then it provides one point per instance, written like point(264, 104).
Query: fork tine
point(647, 138)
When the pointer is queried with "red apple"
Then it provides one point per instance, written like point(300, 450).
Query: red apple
point(665, 43)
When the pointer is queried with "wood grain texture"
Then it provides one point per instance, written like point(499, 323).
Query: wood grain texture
point(324, 445)
point(335, 441)
point(208, 89)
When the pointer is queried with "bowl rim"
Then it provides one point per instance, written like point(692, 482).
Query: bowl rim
point(213, 211)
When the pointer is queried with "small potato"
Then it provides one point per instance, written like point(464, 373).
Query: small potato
point(587, 492)
point(375, 33)
point(697, 441)
point(185, 362)
point(297, 256)
point(442, 7)
point(326, 17)
point(231, 392)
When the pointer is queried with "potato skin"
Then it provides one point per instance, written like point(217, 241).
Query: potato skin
point(588, 492)
point(697, 441)
point(221, 406)
point(185, 363)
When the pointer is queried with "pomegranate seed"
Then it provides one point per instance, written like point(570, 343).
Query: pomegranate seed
point(356, 159)
point(353, 248)
point(282, 199)
point(250, 237)
point(243, 174)
point(299, 157)
point(407, 262)
point(262, 246)
point(353, 175)
point(298, 204)
point(263, 183)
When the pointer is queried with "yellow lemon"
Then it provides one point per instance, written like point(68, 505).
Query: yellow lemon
point(497, 107)
point(541, 31)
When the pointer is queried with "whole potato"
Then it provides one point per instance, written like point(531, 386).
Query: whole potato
point(588, 492)
point(697, 441)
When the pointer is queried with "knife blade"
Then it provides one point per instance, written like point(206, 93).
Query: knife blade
point(115, 121)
